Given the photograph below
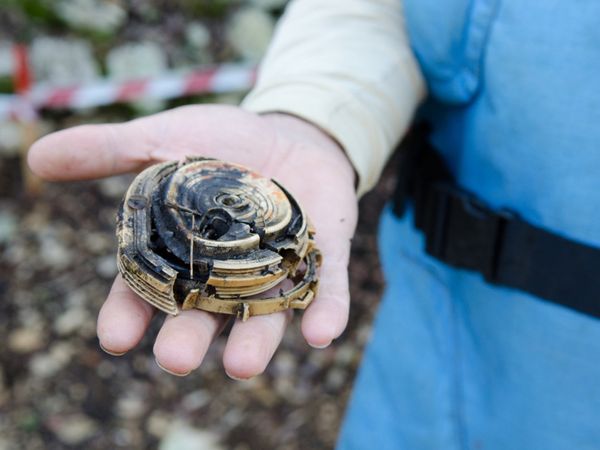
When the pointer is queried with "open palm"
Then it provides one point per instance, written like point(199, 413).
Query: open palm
point(307, 162)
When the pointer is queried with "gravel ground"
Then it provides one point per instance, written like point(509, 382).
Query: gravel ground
point(59, 390)
point(57, 258)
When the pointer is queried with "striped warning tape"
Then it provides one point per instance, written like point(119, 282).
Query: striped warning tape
point(218, 79)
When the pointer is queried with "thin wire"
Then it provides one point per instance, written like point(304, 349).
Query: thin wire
point(192, 247)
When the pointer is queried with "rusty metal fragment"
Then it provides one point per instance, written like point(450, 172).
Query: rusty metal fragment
point(216, 236)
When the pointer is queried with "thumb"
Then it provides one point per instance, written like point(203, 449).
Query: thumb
point(90, 151)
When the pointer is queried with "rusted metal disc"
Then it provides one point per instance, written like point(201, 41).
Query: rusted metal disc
point(212, 235)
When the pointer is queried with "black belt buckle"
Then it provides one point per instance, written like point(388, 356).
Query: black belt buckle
point(462, 231)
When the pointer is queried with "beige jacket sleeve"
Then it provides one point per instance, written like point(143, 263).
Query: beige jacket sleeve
point(346, 66)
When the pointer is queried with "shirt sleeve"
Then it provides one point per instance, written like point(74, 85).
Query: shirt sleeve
point(347, 67)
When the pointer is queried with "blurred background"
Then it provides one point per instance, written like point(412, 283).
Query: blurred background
point(63, 63)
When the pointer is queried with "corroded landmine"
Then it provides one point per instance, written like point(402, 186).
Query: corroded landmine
point(211, 235)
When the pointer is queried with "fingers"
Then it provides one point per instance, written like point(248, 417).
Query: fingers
point(335, 220)
point(123, 319)
point(181, 343)
point(184, 339)
point(252, 344)
point(90, 151)
point(327, 316)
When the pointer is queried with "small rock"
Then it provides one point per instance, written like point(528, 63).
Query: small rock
point(197, 35)
point(269, 4)
point(363, 336)
point(123, 437)
point(49, 364)
point(8, 224)
point(114, 187)
point(54, 254)
point(98, 243)
point(158, 423)
point(138, 60)
point(78, 392)
point(198, 39)
point(249, 32)
point(26, 340)
point(73, 429)
point(184, 437)
point(131, 407)
point(62, 61)
point(11, 138)
point(105, 369)
point(70, 321)
point(76, 298)
point(346, 354)
point(195, 400)
point(95, 15)
point(44, 366)
point(335, 378)
point(285, 364)
point(284, 387)
point(232, 418)
point(106, 266)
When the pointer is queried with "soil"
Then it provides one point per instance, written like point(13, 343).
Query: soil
point(60, 390)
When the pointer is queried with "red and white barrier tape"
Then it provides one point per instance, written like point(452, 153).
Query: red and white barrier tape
point(219, 79)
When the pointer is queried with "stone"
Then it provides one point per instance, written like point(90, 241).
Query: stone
point(346, 354)
point(53, 253)
point(269, 4)
point(335, 378)
point(249, 32)
point(197, 35)
point(98, 243)
point(182, 436)
point(95, 15)
point(114, 187)
point(195, 400)
point(26, 340)
point(131, 406)
point(8, 224)
point(11, 138)
point(70, 321)
point(48, 364)
point(138, 60)
point(73, 429)
point(62, 61)
point(106, 266)
point(158, 423)
point(285, 364)
point(106, 369)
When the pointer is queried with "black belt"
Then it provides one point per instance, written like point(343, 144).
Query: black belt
point(463, 232)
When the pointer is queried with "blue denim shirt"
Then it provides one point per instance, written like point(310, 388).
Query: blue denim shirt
point(456, 363)
point(516, 101)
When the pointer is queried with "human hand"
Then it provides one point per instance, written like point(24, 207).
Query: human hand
point(304, 159)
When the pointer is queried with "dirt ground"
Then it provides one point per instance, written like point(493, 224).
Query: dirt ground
point(59, 390)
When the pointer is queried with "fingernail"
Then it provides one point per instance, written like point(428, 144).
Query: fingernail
point(320, 347)
point(170, 372)
point(236, 378)
point(105, 350)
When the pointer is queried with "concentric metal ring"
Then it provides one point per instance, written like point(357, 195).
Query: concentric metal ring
point(213, 235)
